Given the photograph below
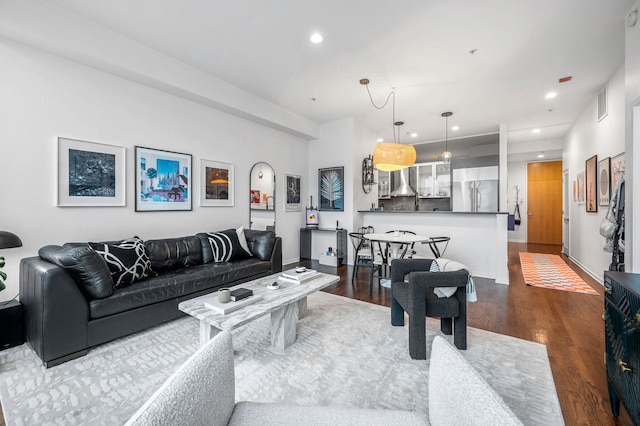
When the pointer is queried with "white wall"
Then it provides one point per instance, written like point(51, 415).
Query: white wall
point(334, 148)
point(44, 97)
point(632, 139)
point(586, 138)
point(517, 176)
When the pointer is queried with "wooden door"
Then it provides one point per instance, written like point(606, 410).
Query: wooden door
point(544, 203)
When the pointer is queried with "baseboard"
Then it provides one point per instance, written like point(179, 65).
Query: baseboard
point(598, 277)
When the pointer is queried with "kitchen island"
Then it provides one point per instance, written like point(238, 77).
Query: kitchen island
point(478, 239)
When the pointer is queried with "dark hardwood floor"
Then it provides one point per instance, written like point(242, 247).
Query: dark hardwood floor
point(569, 324)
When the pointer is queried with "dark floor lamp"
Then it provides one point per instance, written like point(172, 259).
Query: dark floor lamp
point(7, 240)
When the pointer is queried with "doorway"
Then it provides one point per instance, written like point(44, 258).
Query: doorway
point(544, 203)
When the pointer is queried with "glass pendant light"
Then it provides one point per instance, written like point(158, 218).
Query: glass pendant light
point(446, 155)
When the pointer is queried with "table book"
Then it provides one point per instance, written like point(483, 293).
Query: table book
point(293, 276)
point(224, 308)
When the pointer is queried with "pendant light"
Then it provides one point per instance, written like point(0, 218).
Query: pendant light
point(446, 155)
point(260, 174)
point(391, 156)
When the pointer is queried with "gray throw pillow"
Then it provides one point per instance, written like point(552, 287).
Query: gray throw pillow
point(260, 243)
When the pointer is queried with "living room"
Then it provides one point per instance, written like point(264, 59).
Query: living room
point(65, 76)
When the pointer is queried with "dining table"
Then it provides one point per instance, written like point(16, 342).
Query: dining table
point(396, 245)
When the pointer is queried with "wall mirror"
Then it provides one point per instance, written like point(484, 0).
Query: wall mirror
point(262, 197)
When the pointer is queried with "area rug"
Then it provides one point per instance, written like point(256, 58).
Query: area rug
point(550, 271)
point(346, 354)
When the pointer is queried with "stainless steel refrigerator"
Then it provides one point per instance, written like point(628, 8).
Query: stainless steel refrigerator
point(475, 189)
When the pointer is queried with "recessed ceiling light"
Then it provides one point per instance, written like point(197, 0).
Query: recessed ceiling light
point(550, 95)
point(535, 131)
point(540, 155)
point(380, 140)
point(316, 38)
point(414, 135)
point(455, 128)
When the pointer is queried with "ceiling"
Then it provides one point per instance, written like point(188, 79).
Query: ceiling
point(490, 62)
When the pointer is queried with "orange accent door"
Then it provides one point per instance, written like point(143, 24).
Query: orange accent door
point(544, 202)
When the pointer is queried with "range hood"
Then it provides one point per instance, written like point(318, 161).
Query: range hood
point(403, 189)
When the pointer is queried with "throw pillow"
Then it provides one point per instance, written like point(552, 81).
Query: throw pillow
point(85, 266)
point(261, 243)
point(226, 247)
point(127, 260)
point(243, 239)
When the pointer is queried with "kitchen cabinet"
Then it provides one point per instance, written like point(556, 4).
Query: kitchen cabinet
point(434, 180)
point(384, 184)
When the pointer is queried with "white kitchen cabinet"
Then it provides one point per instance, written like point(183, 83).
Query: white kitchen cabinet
point(434, 180)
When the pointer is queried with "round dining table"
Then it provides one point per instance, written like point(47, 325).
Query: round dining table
point(396, 246)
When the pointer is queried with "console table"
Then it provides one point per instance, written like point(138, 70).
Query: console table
point(341, 243)
point(622, 341)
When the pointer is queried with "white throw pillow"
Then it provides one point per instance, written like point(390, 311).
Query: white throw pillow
point(243, 240)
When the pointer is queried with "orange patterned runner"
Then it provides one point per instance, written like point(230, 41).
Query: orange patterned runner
point(550, 271)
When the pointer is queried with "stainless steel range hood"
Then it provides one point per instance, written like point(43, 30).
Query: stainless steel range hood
point(404, 189)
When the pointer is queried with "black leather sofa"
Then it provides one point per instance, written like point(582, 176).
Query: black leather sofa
point(68, 310)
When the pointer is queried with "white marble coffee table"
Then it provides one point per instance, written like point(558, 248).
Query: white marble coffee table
point(286, 305)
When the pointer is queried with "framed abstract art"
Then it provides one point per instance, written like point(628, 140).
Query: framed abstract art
point(216, 184)
point(90, 174)
point(293, 202)
point(331, 188)
point(163, 180)
point(604, 184)
point(591, 184)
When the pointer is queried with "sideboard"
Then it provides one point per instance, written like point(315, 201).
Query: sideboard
point(622, 341)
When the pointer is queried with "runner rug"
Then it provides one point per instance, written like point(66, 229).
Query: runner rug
point(550, 271)
point(346, 354)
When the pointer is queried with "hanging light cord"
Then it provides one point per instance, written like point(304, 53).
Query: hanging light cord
point(393, 107)
point(446, 134)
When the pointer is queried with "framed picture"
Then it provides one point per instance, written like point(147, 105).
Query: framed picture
point(591, 183)
point(90, 174)
point(331, 188)
point(617, 167)
point(216, 184)
point(293, 193)
point(162, 180)
point(580, 185)
point(575, 191)
point(255, 196)
point(604, 186)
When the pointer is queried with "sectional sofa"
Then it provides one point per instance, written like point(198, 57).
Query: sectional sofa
point(81, 295)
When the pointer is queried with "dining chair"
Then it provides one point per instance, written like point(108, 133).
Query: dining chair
point(382, 257)
point(433, 245)
point(362, 250)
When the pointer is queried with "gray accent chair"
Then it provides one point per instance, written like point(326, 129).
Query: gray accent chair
point(202, 392)
point(412, 292)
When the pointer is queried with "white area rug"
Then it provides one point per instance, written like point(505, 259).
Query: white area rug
point(347, 354)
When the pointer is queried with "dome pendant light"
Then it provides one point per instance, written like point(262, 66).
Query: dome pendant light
point(446, 155)
point(388, 156)
point(391, 156)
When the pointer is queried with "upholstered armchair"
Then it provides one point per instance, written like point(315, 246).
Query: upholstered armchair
point(412, 291)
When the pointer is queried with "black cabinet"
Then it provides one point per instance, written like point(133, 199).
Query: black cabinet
point(341, 243)
point(622, 341)
point(11, 332)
